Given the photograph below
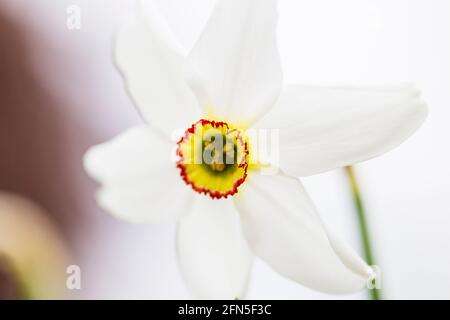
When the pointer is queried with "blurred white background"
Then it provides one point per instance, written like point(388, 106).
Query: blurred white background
point(407, 191)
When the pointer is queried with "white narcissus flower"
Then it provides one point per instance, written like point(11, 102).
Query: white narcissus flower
point(232, 80)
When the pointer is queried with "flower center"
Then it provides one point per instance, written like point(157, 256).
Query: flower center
point(213, 158)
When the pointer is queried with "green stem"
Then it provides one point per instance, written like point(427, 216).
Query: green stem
point(375, 294)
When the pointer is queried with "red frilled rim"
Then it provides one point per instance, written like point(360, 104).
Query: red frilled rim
point(243, 163)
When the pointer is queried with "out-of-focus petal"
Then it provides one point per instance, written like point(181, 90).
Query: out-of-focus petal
point(213, 254)
point(152, 63)
point(138, 177)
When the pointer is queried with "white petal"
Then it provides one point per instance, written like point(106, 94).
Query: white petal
point(152, 63)
point(235, 67)
point(187, 19)
point(213, 255)
point(324, 128)
point(140, 182)
point(282, 228)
